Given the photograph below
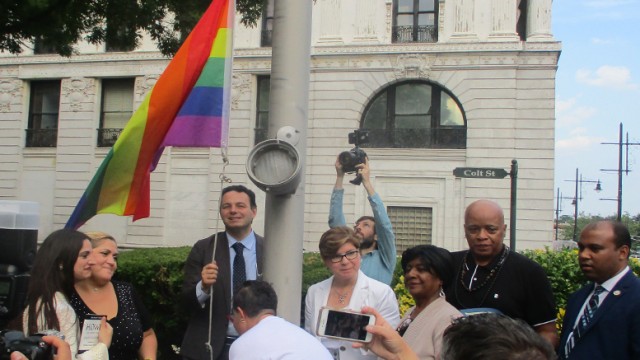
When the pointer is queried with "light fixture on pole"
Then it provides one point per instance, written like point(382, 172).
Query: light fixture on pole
point(578, 196)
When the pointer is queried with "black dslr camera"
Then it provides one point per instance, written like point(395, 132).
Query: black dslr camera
point(349, 159)
point(31, 346)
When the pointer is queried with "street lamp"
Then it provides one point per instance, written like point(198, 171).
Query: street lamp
point(578, 196)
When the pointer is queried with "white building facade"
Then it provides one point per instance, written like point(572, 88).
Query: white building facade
point(438, 84)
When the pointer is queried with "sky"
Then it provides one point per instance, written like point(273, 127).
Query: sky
point(597, 88)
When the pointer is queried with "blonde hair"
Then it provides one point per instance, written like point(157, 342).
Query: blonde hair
point(97, 237)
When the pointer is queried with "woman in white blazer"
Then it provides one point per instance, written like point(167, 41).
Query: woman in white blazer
point(348, 288)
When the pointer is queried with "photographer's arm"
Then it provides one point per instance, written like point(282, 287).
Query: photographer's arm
point(385, 237)
point(336, 215)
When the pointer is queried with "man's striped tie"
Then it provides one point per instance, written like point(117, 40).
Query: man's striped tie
point(585, 320)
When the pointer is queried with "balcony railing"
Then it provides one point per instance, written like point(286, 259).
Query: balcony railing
point(42, 137)
point(409, 33)
point(108, 137)
point(437, 138)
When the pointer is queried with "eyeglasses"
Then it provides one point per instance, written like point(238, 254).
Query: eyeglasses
point(350, 255)
point(402, 328)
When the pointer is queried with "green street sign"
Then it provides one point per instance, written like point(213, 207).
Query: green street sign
point(480, 173)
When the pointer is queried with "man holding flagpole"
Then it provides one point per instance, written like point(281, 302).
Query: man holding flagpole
point(208, 286)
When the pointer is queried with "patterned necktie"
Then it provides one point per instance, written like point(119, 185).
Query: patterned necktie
point(587, 315)
point(239, 270)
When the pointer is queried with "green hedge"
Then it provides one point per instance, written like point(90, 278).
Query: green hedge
point(157, 275)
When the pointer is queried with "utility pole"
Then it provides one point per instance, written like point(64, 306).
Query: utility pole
point(288, 106)
point(620, 170)
point(578, 196)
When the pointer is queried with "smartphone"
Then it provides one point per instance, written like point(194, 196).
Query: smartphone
point(89, 332)
point(344, 325)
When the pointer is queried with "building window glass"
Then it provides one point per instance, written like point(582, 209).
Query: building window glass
point(415, 114)
point(44, 106)
point(415, 21)
point(267, 24)
point(41, 47)
point(262, 109)
point(412, 226)
point(117, 108)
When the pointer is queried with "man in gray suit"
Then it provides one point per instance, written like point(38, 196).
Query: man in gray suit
point(238, 258)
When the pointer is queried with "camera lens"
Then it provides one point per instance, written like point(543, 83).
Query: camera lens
point(348, 161)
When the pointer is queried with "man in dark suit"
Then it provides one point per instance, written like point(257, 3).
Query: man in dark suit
point(602, 319)
point(207, 281)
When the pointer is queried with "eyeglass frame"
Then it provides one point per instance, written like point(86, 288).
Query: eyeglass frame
point(338, 257)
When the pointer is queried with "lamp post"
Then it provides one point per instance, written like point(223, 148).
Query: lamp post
point(559, 199)
point(578, 196)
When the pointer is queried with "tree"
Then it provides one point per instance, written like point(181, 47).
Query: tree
point(60, 24)
point(632, 222)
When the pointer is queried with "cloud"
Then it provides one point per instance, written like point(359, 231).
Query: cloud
point(600, 4)
point(578, 141)
point(615, 77)
point(568, 114)
point(599, 41)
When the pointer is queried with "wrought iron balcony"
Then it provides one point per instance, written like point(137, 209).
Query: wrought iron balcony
point(436, 138)
point(409, 33)
point(108, 137)
point(42, 137)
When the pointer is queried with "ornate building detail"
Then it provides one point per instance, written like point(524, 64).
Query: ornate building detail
point(413, 66)
point(240, 84)
point(144, 84)
point(77, 91)
point(386, 38)
point(10, 89)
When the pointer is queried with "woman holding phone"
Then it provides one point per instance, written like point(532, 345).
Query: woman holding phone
point(348, 288)
point(64, 258)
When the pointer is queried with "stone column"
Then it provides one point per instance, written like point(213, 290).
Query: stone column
point(464, 15)
point(365, 23)
point(330, 11)
point(503, 20)
point(539, 20)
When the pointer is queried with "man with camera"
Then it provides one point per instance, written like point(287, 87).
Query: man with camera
point(378, 247)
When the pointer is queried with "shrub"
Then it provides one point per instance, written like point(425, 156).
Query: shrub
point(157, 276)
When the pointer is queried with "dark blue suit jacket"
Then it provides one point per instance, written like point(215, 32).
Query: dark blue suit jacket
point(614, 332)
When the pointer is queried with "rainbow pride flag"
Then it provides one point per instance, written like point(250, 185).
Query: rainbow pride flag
point(188, 106)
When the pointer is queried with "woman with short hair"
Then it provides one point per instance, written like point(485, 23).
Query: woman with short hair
point(427, 269)
point(347, 288)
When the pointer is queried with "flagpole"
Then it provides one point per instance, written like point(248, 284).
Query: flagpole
point(288, 106)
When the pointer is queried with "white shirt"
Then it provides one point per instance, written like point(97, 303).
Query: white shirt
point(274, 338)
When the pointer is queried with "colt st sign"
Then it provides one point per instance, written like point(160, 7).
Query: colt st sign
point(481, 173)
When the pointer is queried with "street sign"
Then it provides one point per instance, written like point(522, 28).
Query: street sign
point(481, 173)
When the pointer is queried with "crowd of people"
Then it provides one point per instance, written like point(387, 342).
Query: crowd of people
point(486, 302)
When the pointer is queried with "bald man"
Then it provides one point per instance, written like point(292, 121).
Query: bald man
point(492, 278)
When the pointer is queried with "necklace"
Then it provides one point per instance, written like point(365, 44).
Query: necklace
point(492, 277)
point(342, 297)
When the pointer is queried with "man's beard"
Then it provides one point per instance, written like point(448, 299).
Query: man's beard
point(367, 243)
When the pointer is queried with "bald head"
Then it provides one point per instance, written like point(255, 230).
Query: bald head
point(484, 229)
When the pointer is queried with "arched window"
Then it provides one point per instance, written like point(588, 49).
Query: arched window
point(415, 114)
